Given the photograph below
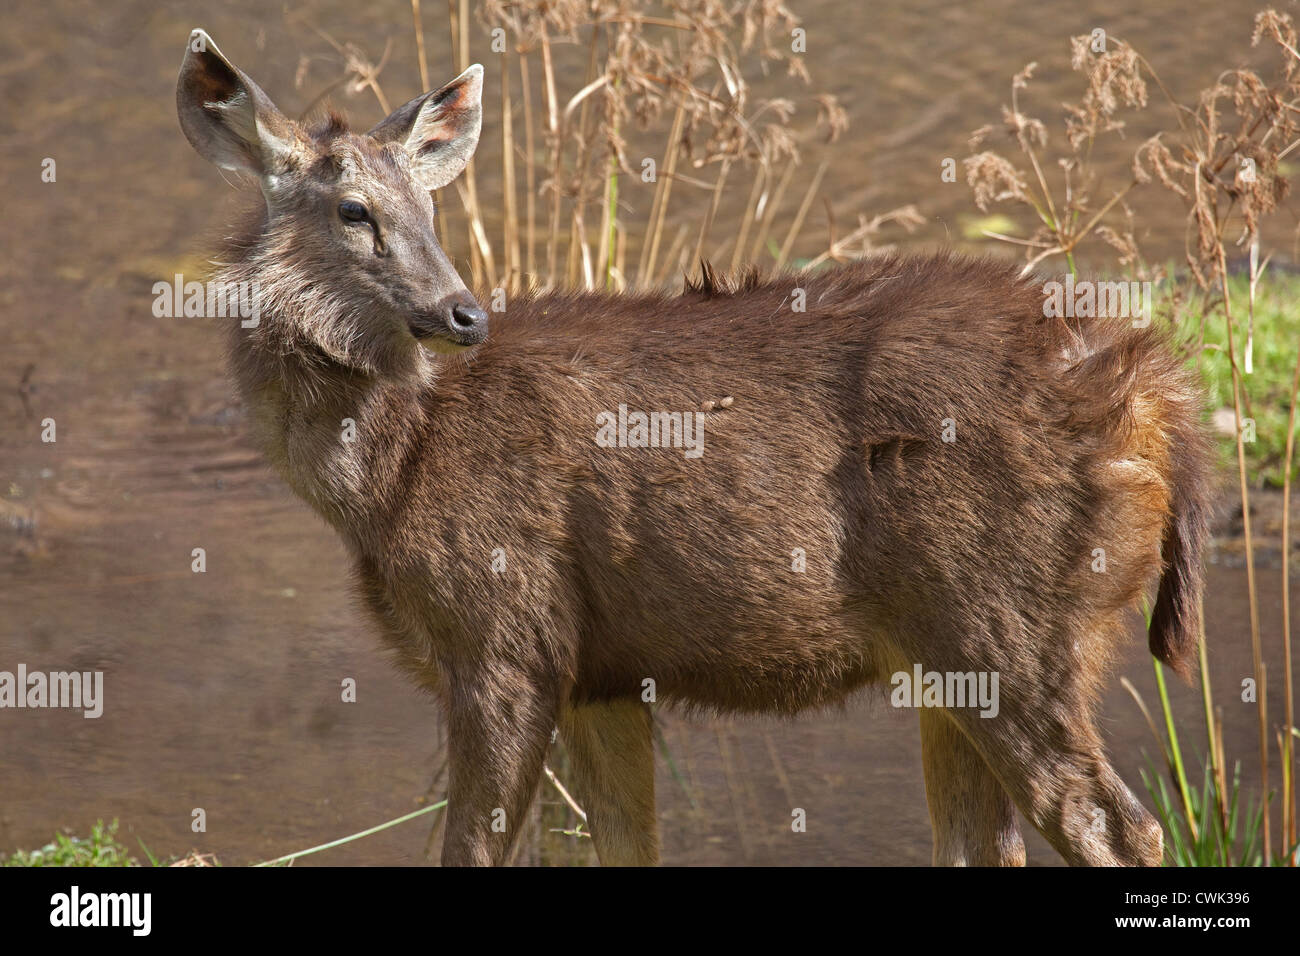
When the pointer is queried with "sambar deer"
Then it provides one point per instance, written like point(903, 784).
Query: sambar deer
point(919, 471)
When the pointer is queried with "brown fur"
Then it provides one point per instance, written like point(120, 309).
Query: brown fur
point(823, 433)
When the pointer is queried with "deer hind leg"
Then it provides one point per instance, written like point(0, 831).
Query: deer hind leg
point(1049, 757)
point(973, 818)
point(612, 758)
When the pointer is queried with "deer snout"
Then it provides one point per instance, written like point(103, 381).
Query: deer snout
point(451, 326)
point(469, 321)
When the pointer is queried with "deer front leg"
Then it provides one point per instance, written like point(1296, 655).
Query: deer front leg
point(973, 818)
point(612, 757)
point(499, 727)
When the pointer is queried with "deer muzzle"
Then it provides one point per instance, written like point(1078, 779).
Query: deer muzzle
point(457, 325)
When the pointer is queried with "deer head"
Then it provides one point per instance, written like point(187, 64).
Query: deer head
point(346, 258)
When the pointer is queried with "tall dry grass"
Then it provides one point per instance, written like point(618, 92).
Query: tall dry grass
point(581, 81)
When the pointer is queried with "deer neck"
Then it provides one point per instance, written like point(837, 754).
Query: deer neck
point(335, 434)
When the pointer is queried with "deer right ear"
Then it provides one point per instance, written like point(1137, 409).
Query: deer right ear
point(438, 130)
point(226, 117)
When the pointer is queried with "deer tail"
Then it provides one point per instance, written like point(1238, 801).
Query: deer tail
point(1175, 627)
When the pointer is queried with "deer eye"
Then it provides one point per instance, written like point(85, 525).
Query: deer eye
point(352, 211)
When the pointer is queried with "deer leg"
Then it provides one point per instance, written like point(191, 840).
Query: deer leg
point(973, 819)
point(499, 727)
point(1048, 755)
point(612, 758)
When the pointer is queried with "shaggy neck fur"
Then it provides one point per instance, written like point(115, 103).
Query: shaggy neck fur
point(328, 408)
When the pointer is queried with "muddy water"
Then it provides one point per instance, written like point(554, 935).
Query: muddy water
point(223, 687)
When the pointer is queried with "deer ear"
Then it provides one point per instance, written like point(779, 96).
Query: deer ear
point(439, 130)
point(226, 117)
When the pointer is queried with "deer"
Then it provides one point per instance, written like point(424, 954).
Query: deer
point(920, 471)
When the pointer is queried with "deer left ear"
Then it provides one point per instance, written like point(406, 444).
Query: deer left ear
point(439, 130)
point(227, 117)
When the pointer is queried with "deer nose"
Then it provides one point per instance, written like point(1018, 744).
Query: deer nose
point(469, 323)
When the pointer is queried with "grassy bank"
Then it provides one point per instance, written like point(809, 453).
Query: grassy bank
point(1266, 388)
